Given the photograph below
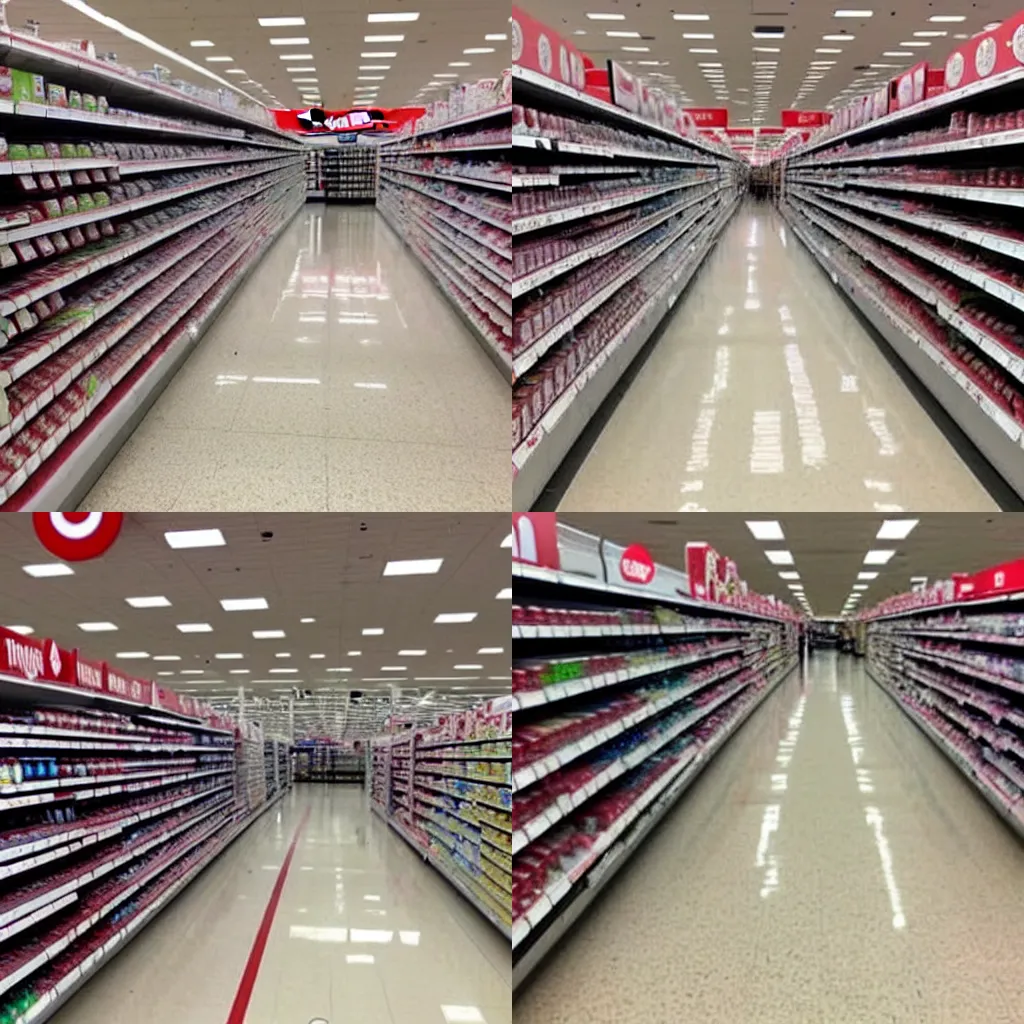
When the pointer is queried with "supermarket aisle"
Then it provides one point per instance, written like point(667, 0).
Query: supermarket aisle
point(364, 934)
point(830, 865)
point(766, 392)
point(338, 378)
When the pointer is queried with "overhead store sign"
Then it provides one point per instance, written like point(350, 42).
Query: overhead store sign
point(77, 536)
point(987, 54)
point(541, 49)
point(315, 120)
point(805, 118)
point(636, 565)
point(36, 660)
point(535, 538)
point(709, 117)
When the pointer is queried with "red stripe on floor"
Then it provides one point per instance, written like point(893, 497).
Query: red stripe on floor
point(252, 966)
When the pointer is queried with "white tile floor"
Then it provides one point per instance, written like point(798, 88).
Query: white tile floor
point(337, 379)
point(831, 866)
point(766, 392)
point(365, 934)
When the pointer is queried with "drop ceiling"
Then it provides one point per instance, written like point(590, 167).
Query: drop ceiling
point(756, 78)
point(433, 44)
point(325, 567)
point(828, 549)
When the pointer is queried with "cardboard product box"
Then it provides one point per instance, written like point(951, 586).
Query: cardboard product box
point(986, 54)
point(27, 87)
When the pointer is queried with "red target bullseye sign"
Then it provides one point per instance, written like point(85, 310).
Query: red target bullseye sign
point(77, 536)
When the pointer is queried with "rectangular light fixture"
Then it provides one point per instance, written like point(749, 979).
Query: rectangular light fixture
point(636, 49)
point(202, 42)
point(455, 617)
point(896, 53)
point(369, 78)
point(239, 672)
point(372, 631)
point(268, 634)
point(280, 22)
point(767, 49)
point(383, 39)
point(701, 50)
point(692, 17)
point(220, 60)
point(779, 557)
point(132, 654)
point(507, 542)
point(789, 575)
point(779, 34)
point(156, 601)
point(244, 604)
point(867, 575)
point(97, 627)
point(412, 653)
point(795, 586)
point(878, 557)
point(303, 80)
point(947, 17)
point(167, 657)
point(382, 53)
point(914, 42)
point(853, 14)
point(230, 657)
point(491, 650)
point(289, 41)
point(45, 569)
point(295, 71)
point(606, 17)
point(236, 71)
point(505, 594)
point(698, 35)
point(839, 38)
point(398, 16)
point(283, 671)
point(896, 529)
point(194, 627)
point(933, 35)
point(338, 670)
point(194, 538)
point(374, 67)
point(295, 56)
point(497, 37)
point(413, 567)
point(394, 668)
point(860, 586)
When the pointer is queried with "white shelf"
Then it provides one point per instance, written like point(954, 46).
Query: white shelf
point(455, 204)
point(552, 145)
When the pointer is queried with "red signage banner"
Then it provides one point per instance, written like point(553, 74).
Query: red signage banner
point(535, 538)
point(316, 120)
point(708, 117)
point(805, 118)
point(986, 54)
point(89, 674)
point(117, 684)
point(541, 49)
point(77, 536)
point(35, 660)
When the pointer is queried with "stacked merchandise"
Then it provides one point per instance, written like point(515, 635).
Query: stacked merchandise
point(958, 673)
point(122, 233)
point(250, 770)
point(447, 791)
point(621, 701)
point(328, 761)
point(612, 216)
point(315, 173)
point(912, 216)
point(447, 190)
point(275, 767)
point(350, 173)
point(114, 794)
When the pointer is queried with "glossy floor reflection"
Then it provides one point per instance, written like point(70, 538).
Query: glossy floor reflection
point(365, 934)
point(337, 379)
point(766, 392)
point(831, 866)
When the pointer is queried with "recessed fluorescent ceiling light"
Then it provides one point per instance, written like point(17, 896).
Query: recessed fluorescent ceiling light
point(933, 35)
point(372, 631)
point(860, 586)
point(289, 41)
point(202, 42)
point(896, 529)
point(298, 80)
point(505, 594)
point(615, 34)
point(339, 670)
point(221, 60)
point(194, 538)
point(947, 17)
point(243, 604)
point(698, 35)
point(779, 34)
point(408, 653)
point(294, 71)
point(606, 17)
point(877, 557)
point(229, 657)
point(692, 17)
point(280, 22)
point(912, 42)
point(132, 654)
point(400, 16)
point(369, 78)
point(383, 53)
point(867, 575)
point(394, 668)
point(383, 39)
point(636, 49)
point(97, 627)
point(48, 569)
point(295, 56)
point(239, 672)
point(167, 657)
point(236, 71)
point(491, 650)
point(455, 617)
point(853, 14)
point(838, 39)
point(468, 668)
point(282, 671)
point(896, 53)
point(497, 37)
point(194, 627)
point(789, 575)
point(374, 67)
point(702, 50)
point(779, 557)
point(795, 586)
point(148, 602)
point(23, 630)
point(267, 634)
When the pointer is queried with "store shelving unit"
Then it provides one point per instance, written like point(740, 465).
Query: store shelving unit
point(327, 761)
point(956, 671)
point(447, 191)
point(911, 215)
point(123, 231)
point(613, 215)
point(621, 698)
point(346, 173)
point(447, 791)
point(112, 800)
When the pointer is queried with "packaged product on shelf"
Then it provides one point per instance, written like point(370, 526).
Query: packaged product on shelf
point(27, 87)
point(56, 95)
point(74, 99)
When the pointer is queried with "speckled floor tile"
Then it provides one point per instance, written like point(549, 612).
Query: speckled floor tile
point(789, 886)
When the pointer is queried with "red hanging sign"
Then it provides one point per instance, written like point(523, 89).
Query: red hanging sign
point(636, 565)
point(346, 122)
point(717, 117)
point(805, 118)
point(77, 536)
point(35, 660)
point(535, 538)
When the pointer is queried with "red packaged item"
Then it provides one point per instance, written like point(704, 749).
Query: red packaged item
point(25, 250)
